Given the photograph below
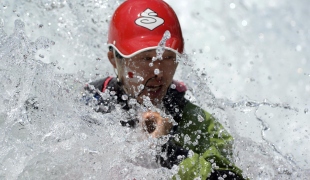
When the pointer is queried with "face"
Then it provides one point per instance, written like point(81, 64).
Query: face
point(141, 77)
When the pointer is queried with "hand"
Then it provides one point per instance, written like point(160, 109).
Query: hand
point(155, 125)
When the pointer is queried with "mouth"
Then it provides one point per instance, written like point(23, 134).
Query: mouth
point(153, 88)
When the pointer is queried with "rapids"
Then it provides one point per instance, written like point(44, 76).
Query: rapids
point(246, 62)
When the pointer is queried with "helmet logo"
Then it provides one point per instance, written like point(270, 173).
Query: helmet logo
point(149, 20)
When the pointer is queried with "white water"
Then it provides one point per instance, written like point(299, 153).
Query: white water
point(250, 51)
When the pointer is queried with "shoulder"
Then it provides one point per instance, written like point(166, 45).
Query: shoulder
point(191, 109)
point(197, 121)
point(174, 100)
point(99, 84)
point(197, 118)
point(179, 86)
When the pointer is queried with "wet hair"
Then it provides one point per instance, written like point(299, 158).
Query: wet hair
point(116, 53)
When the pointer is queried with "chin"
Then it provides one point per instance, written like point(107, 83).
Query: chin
point(155, 97)
point(156, 100)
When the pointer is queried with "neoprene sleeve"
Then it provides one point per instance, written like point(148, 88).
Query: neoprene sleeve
point(211, 147)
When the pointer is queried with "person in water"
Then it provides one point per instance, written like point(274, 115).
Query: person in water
point(145, 40)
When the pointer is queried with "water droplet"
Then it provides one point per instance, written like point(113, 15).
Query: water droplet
point(140, 78)
point(200, 118)
point(156, 71)
point(244, 23)
point(176, 110)
point(124, 97)
point(140, 87)
point(190, 153)
point(298, 48)
point(167, 35)
point(173, 86)
point(151, 64)
point(232, 5)
point(105, 108)
point(306, 111)
point(41, 56)
point(161, 46)
point(132, 101)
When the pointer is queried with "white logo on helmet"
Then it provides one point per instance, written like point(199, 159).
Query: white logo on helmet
point(149, 20)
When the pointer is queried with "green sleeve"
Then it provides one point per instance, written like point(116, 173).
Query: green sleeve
point(209, 142)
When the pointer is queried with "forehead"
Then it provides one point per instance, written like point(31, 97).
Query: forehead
point(152, 53)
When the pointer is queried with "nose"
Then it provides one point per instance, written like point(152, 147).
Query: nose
point(158, 70)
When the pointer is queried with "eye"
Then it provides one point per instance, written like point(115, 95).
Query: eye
point(147, 58)
point(169, 57)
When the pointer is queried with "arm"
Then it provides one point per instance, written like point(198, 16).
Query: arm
point(210, 146)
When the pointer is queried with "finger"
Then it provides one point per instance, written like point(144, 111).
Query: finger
point(151, 116)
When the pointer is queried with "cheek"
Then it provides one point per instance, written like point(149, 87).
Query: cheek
point(130, 74)
point(133, 75)
point(170, 69)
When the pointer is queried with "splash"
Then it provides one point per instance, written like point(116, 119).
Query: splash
point(266, 147)
point(161, 48)
point(46, 131)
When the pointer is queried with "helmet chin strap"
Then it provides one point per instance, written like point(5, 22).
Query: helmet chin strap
point(114, 55)
point(118, 80)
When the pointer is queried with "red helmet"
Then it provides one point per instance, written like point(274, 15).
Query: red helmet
point(139, 25)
